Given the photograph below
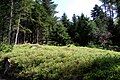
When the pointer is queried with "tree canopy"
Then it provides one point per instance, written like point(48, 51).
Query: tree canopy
point(34, 21)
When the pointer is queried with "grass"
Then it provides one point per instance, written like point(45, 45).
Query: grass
point(45, 62)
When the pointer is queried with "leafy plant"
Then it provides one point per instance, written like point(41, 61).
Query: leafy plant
point(5, 47)
point(64, 63)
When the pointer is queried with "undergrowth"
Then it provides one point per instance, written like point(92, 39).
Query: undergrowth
point(43, 62)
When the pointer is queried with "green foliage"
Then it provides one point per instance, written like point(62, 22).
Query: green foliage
point(102, 27)
point(49, 7)
point(116, 33)
point(82, 31)
point(96, 12)
point(5, 48)
point(65, 20)
point(34, 21)
point(105, 68)
point(64, 63)
point(59, 34)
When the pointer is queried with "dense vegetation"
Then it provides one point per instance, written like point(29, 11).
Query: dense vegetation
point(34, 21)
point(42, 62)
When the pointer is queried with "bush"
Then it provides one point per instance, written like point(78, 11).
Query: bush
point(105, 68)
point(65, 63)
point(5, 47)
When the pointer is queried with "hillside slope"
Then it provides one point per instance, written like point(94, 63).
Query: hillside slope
point(42, 62)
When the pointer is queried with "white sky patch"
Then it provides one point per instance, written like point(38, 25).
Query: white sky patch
point(77, 7)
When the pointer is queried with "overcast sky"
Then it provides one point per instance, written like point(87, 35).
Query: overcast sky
point(77, 7)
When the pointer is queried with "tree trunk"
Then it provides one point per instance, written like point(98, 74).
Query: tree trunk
point(24, 37)
point(18, 27)
point(110, 10)
point(37, 35)
point(105, 9)
point(10, 25)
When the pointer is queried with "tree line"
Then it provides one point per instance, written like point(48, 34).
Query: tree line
point(34, 21)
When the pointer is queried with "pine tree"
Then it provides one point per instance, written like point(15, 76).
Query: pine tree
point(104, 25)
point(49, 6)
point(64, 20)
point(96, 12)
point(82, 31)
point(22, 10)
point(59, 35)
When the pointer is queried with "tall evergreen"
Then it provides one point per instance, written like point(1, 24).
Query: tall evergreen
point(59, 34)
point(65, 20)
point(49, 6)
point(68, 25)
point(82, 31)
point(102, 22)
point(96, 12)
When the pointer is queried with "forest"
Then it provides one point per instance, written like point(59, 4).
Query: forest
point(34, 21)
point(35, 44)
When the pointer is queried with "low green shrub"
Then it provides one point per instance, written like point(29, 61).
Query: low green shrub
point(5, 47)
point(44, 62)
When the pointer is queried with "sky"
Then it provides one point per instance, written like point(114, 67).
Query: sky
point(77, 7)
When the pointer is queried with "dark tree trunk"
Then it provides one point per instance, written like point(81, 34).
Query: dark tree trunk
point(24, 37)
point(10, 25)
point(37, 35)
